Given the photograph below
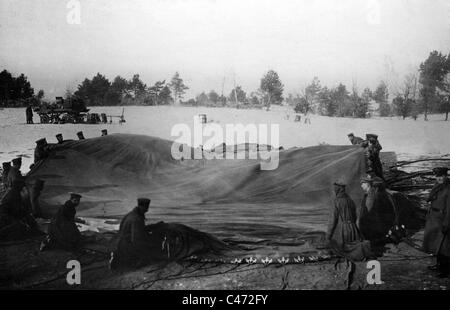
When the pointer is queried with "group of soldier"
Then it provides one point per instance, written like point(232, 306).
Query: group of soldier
point(378, 213)
point(19, 205)
point(348, 224)
point(19, 209)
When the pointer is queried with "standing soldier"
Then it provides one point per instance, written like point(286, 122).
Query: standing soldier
point(342, 227)
point(80, 135)
point(60, 138)
point(373, 151)
point(436, 238)
point(14, 172)
point(29, 114)
point(355, 140)
point(104, 132)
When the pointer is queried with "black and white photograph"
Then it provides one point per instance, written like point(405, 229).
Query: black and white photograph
point(245, 147)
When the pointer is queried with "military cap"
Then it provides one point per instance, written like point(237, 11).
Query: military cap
point(41, 141)
point(74, 195)
point(440, 171)
point(350, 135)
point(371, 136)
point(143, 202)
point(39, 184)
point(104, 131)
point(17, 161)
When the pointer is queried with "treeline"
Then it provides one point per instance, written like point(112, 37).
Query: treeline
point(17, 91)
point(425, 91)
point(422, 92)
point(99, 91)
point(270, 92)
point(339, 101)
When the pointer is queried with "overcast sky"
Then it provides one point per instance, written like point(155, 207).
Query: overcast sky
point(208, 40)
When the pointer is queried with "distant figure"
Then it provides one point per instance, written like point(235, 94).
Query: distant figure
point(14, 172)
point(436, 239)
point(133, 248)
point(80, 135)
point(104, 132)
point(29, 114)
point(298, 118)
point(6, 166)
point(60, 138)
point(355, 140)
point(342, 227)
point(41, 151)
point(307, 119)
point(373, 152)
point(63, 232)
point(30, 198)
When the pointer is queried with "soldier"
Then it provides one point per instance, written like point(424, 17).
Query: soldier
point(60, 138)
point(355, 140)
point(14, 222)
point(342, 227)
point(373, 153)
point(41, 151)
point(80, 135)
point(104, 132)
point(30, 198)
point(133, 248)
point(63, 232)
point(378, 212)
point(14, 172)
point(436, 238)
point(29, 114)
point(6, 167)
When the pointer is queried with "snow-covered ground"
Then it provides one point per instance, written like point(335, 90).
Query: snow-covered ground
point(408, 138)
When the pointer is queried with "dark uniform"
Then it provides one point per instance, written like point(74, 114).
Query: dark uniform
point(373, 155)
point(342, 227)
point(14, 221)
point(436, 238)
point(14, 172)
point(134, 247)
point(30, 198)
point(29, 114)
point(63, 232)
point(378, 212)
point(6, 166)
point(41, 151)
